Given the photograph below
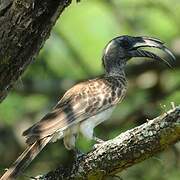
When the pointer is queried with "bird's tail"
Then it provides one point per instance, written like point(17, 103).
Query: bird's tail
point(25, 159)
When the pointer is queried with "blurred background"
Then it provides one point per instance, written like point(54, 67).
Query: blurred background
point(73, 53)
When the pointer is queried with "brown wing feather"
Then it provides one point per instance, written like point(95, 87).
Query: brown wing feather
point(80, 102)
point(61, 117)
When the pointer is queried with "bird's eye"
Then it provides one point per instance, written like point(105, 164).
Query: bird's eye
point(125, 44)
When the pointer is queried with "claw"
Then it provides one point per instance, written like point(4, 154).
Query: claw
point(77, 153)
point(98, 142)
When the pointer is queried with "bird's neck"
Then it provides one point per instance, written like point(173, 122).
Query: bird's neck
point(117, 76)
point(114, 66)
point(117, 71)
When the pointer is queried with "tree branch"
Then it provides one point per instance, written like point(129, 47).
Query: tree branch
point(127, 149)
point(25, 25)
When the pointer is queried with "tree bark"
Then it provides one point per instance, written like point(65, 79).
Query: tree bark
point(24, 27)
point(127, 149)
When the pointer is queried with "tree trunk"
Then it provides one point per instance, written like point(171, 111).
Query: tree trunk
point(24, 27)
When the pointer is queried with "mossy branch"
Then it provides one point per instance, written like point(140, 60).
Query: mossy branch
point(127, 149)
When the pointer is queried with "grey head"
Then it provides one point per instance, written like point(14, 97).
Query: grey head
point(121, 49)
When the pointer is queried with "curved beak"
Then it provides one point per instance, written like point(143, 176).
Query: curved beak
point(139, 42)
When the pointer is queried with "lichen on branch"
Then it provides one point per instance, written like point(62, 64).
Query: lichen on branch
point(127, 149)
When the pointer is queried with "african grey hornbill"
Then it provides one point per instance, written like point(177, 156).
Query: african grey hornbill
point(88, 103)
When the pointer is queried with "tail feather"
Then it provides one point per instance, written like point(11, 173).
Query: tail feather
point(25, 159)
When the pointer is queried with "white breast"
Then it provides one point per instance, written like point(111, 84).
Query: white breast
point(87, 126)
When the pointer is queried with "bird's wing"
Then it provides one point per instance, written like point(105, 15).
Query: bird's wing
point(79, 103)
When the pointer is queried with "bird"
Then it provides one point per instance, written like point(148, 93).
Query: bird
point(88, 103)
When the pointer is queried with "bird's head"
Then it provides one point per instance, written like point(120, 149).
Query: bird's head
point(120, 49)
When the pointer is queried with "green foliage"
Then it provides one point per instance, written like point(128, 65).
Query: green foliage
point(11, 110)
point(16, 106)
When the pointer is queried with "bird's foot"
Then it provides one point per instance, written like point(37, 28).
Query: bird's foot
point(98, 142)
point(78, 154)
